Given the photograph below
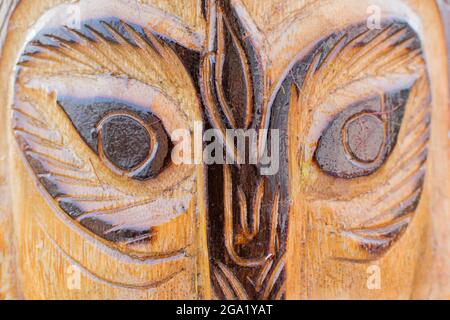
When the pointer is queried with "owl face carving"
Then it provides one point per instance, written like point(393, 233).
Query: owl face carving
point(95, 109)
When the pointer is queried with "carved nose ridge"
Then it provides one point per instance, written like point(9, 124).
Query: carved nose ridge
point(246, 218)
point(247, 244)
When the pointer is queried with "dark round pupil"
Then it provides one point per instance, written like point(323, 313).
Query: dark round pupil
point(125, 141)
point(365, 137)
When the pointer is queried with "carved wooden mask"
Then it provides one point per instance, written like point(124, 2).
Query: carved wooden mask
point(95, 107)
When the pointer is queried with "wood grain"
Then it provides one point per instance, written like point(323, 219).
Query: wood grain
point(8, 288)
point(146, 265)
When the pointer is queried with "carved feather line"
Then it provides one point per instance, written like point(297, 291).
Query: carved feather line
point(142, 57)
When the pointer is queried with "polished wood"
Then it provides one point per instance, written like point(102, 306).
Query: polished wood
point(93, 205)
point(71, 181)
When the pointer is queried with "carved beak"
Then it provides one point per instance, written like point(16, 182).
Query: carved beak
point(246, 232)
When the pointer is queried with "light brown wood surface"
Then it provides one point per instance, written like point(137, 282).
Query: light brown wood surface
point(318, 229)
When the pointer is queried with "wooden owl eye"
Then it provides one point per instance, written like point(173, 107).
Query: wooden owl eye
point(364, 137)
point(358, 140)
point(124, 141)
point(96, 105)
point(129, 140)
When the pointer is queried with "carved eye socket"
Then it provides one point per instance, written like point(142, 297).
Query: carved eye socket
point(94, 110)
point(129, 140)
point(359, 139)
point(364, 137)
